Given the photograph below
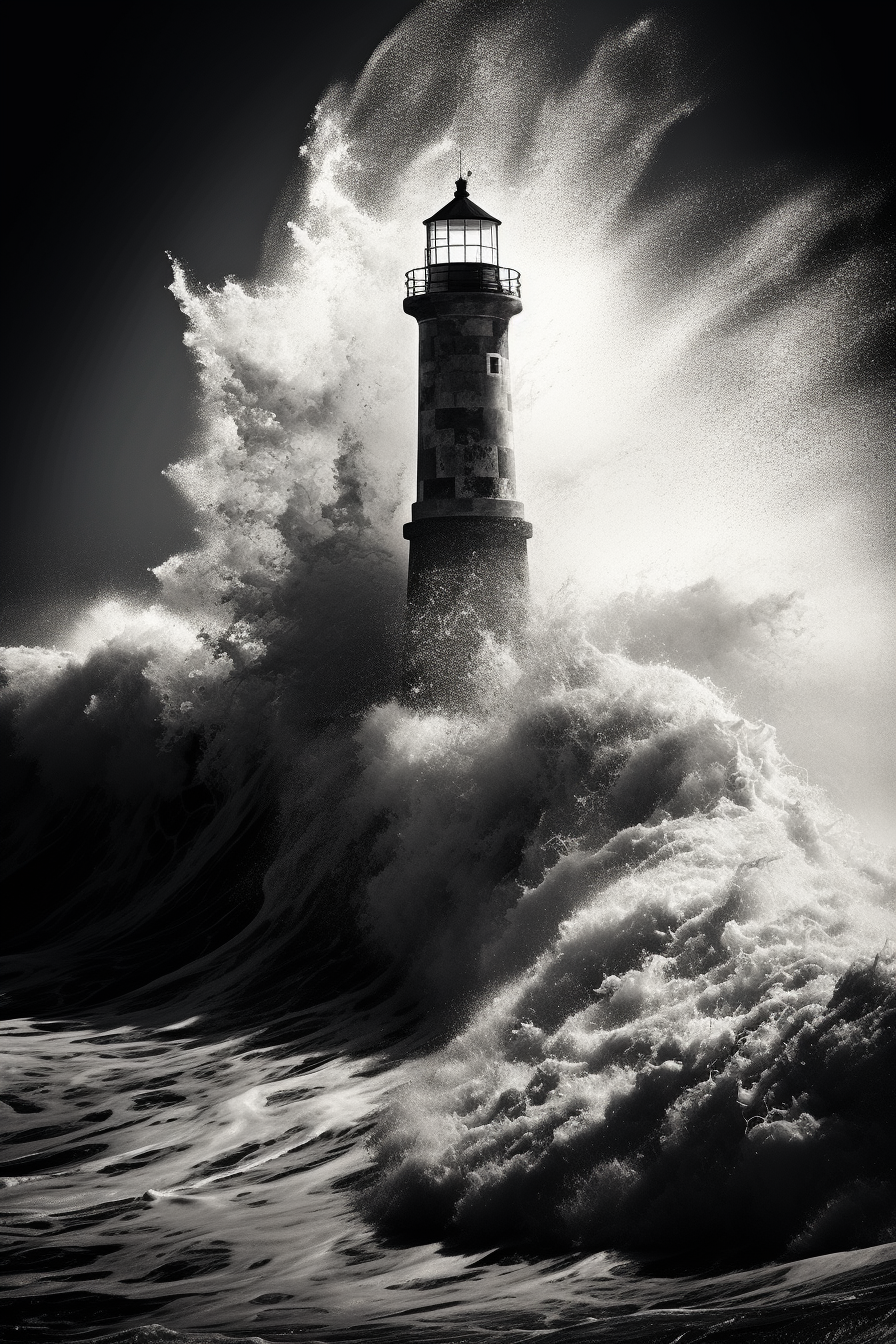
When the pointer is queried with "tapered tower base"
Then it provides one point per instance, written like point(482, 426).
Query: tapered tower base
point(467, 577)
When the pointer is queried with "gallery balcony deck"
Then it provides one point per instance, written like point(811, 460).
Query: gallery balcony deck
point(462, 278)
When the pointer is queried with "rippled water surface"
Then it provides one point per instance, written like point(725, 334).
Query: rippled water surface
point(166, 1177)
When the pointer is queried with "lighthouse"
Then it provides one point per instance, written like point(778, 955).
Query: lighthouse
point(468, 571)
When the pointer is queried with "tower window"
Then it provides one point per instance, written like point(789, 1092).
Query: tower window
point(493, 364)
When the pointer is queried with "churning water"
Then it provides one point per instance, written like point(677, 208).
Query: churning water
point(569, 1017)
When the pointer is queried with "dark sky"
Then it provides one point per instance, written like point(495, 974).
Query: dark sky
point(127, 138)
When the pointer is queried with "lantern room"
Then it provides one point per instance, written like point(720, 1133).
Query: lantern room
point(462, 251)
point(458, 240)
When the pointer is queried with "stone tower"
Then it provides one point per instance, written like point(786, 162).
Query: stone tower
point(467, 568)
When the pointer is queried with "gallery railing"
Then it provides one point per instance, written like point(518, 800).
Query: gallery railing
point(460, 276)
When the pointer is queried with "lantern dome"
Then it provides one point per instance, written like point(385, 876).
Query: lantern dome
point(461, 207)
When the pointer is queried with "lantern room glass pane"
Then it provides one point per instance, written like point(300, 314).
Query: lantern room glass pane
point(489, 243)
point(462, 240)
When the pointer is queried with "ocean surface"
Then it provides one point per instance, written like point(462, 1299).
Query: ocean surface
point(568, 1017)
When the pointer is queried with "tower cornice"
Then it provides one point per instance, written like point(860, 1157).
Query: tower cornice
point(462, 303)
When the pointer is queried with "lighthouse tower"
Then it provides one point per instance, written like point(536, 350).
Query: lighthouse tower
point(467, 568)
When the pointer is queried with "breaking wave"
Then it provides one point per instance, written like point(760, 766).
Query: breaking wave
point(694, 1030)
point(589, 967)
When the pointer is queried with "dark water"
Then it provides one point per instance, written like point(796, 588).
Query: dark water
point(454, 1077)
point(570, 1017)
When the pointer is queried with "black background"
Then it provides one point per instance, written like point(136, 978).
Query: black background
point(135, 131)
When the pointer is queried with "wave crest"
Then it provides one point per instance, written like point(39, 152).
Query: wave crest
point(693, 1020)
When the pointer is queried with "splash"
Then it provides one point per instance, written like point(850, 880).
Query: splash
point(650, 964)
point(695, 1018)
point(689, 388)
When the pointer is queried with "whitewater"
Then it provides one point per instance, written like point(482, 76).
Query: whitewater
point(570, 1016)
